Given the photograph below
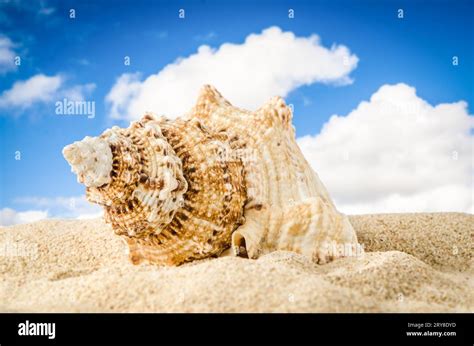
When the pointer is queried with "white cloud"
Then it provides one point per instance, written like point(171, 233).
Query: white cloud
point(39, 208)
point(396, 153)
point(11, 217)
point(42, 89)
point(78, 92)
point(7, 55)
point(39, 88)
point(64, 207)
point(266, 64)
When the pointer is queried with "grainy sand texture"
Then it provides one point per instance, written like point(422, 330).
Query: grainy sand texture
point(413, 263)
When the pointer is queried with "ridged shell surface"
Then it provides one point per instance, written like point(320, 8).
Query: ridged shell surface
point(220, 176)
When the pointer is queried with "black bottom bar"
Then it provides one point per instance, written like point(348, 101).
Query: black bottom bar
point(332, 329)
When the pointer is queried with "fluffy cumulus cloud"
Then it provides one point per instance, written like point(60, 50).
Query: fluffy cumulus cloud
point(38, 208)
point(42, 89)
point(396, 153)
point(78, 92)
point(70, 207)
point(9, 216)
point(270, 63)
point(39, 88)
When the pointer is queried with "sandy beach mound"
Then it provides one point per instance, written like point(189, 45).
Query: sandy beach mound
point(413, 263)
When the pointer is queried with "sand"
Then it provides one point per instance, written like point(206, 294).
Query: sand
point(413, 263)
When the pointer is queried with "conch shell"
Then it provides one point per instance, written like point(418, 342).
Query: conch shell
point(219, 177)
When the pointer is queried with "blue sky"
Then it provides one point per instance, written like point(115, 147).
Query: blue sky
point(416, 50)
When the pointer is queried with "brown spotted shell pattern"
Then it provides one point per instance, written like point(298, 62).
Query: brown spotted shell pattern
point(219, 177)
point(171, 196)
